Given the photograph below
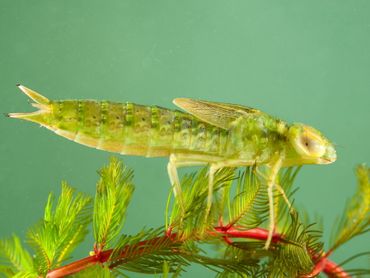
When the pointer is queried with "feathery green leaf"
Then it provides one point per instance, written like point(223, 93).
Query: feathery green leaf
point(25, 274)
point(219, 265)
point(63, 227)
point(146, 252)
point(249, 207)
point(113, 194)
point(300, 243)
point(14, 258)
point(355, 219)
point(195, 194)
point(100, 271)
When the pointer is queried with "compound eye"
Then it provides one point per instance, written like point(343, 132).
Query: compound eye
point(312, 147)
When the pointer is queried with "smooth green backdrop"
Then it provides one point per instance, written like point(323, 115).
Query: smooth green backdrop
point(305, 61)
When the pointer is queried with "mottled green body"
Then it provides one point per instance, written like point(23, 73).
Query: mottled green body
point(215, 133)
point(133, 129)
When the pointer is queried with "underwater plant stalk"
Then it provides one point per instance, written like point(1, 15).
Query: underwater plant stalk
point(324, 265)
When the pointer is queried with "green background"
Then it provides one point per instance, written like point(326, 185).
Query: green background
point(305, 61)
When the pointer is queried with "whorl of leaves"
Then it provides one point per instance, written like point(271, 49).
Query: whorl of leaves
point(355, 219)
point(146, 252)
point(14, 259)
point(100, 271)
point(195, 192)
point(249, 207)
point(62, 228)
point(113, 194)
point(239, 200)
point(301, 242)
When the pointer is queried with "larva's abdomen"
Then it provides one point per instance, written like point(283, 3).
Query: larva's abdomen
point(77, 120)
point(133, 129)
point(102, 125)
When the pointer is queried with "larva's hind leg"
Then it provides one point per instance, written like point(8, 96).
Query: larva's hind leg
point(211, 174)
point(175, 182)
point(172, 166)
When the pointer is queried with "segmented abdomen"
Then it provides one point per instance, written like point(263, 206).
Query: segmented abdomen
point(136, 129)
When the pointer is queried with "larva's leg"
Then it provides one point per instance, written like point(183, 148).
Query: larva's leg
point(282, 192)
point(175, 181)
point(270, 186)
point(173, 164)
point(278, 187)
point(211, 174)
point(272, 216)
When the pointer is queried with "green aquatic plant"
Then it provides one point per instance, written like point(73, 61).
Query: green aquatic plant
point(236, 227)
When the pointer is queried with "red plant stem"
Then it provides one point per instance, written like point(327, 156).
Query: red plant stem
point(323, 265)
point(333, 270)
point(256, 233)
point(79, 265)
point(101, 257)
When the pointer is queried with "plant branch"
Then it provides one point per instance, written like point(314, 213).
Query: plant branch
point(324, 265)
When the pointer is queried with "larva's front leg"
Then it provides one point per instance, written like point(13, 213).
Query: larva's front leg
point(271, 182)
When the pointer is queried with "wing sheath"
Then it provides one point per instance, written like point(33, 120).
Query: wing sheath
point(215, 113)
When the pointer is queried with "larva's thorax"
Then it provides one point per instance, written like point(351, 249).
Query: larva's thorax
point(129, 128)
point(258, 138)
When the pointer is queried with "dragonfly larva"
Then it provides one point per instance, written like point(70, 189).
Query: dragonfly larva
point(207, 133)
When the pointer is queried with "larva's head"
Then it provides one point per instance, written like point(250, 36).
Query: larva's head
point(44, 106)
point(310, 145)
